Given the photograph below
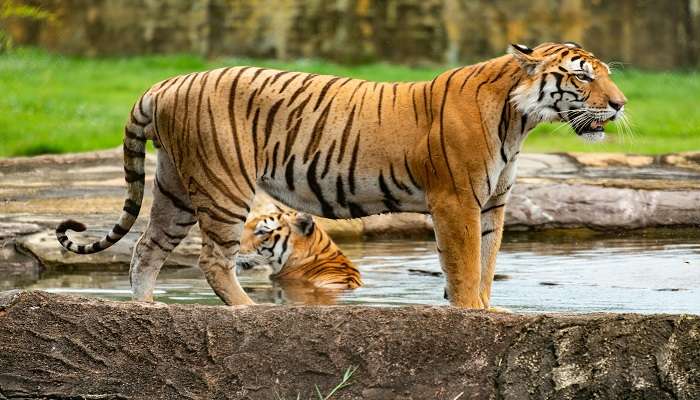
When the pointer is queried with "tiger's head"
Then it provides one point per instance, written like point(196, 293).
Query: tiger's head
point(563, 82)
point(276, 239)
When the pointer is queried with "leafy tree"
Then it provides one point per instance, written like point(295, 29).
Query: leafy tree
point(10, 9)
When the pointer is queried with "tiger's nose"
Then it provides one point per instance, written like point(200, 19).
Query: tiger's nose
point(617, 104)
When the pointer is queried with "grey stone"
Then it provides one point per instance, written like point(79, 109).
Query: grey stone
point(561, 205)
point(16, 267)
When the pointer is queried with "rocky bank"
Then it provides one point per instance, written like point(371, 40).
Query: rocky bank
point(595, 191)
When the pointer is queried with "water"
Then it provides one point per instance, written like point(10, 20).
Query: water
point(565, 271)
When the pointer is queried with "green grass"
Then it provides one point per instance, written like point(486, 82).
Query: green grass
point(56, 104)
point(345, 382)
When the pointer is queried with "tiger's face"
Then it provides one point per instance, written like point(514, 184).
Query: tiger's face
point(564, 82)
point(276, 239)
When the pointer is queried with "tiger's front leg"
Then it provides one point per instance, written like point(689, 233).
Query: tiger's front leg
point(458, 233)
point(492, 221)
point(492, 218)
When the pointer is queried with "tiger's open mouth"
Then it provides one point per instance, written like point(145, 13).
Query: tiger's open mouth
point(593, 130)
point(595, 126)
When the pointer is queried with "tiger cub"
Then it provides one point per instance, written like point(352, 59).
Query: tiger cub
point(296, 249)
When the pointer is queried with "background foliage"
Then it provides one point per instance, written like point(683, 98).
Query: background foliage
point(9, 10)
point(55, 104)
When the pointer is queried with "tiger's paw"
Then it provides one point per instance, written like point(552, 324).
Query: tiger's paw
point(474, 303)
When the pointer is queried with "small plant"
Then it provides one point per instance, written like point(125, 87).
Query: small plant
point(345, 382)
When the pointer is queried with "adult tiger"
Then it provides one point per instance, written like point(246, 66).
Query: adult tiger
point(342, 147)
point(296, 249)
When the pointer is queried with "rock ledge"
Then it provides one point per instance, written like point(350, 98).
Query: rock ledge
point(71, 347)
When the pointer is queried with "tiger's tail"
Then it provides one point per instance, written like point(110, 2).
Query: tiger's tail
point(135, 137)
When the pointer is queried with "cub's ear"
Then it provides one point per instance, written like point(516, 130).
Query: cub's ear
point(523, 55)
point(305, 224)
point(269, 208)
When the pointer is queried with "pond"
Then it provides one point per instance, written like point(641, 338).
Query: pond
point(554, 271)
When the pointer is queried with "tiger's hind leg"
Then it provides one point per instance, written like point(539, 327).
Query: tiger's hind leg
point(222, 208)
point(220, 245)
point(172, 217)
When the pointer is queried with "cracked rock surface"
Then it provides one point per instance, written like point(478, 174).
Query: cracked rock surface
point(56, 346)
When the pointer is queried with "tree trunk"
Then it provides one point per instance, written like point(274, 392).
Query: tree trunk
point(55, 346)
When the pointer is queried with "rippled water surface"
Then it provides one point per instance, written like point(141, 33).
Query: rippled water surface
point(644, 272)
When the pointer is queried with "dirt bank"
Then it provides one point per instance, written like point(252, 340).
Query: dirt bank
point(70, 347)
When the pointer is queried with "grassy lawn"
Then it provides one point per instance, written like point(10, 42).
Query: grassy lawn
point(56, 104)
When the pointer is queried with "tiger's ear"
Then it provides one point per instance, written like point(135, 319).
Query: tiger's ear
point(523, 55)
point(304, 223)
point(572, 44)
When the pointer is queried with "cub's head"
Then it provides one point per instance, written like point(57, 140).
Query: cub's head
point(276, 239)
point(564, 82)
